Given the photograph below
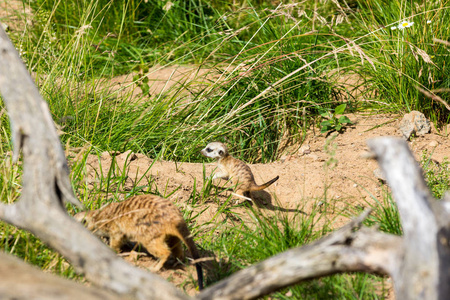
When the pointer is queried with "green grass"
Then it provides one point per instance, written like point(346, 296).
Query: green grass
point(437, 175)
point(404, 59)
point(273, 72)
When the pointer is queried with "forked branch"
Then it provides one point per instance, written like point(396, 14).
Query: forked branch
point(46, 186)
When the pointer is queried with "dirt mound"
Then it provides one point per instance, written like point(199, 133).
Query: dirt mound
point(330, 169)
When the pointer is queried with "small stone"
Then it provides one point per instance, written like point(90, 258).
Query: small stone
point(433, 144)
point(379, 175)
point(305, 149)
point(414, 123)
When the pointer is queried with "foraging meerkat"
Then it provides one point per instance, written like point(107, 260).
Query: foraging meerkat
point(152, 221)
point(234, 169)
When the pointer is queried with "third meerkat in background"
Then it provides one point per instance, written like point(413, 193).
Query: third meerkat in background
point(236, 170)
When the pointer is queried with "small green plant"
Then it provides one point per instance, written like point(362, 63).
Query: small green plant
point(335, 123)
point(141, 79)
point(437, 175)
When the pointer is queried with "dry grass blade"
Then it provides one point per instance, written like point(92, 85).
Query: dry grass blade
point(417, 51)
point(447, 43)
point(352, 45)
point(433, 97)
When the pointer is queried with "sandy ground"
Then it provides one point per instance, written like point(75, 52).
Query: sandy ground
point(348, 176)
point(13, 15)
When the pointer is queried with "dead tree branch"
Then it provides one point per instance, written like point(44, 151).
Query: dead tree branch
point(46, 186)
point(419, 262)
point(22, 281)
point(347, 249)
point(423, 272)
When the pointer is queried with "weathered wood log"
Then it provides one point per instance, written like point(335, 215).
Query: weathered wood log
point(19, 280)
point(419, 262)
point(46, 186)
point(423, 272)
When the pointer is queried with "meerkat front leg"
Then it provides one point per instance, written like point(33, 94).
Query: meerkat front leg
point(220, 173)
point(159, 249)
point(220, 176)
point(116, 242)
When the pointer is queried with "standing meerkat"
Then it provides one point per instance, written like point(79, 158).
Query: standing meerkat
point(236, 170)
point(154, 222)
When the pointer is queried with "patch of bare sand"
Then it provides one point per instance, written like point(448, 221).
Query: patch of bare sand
point(183, 80)
point(303, 177)
point(14, 14)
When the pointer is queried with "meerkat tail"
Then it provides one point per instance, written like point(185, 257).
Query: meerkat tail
point(185, 236)
point(264, 185)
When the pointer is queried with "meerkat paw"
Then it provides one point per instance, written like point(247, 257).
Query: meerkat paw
point(156, 267)
point(132, 255)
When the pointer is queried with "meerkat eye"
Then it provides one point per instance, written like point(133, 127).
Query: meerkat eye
point(220, 152)
point(208, 150)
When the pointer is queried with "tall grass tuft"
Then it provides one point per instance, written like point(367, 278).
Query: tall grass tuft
point(406, 58)
point(66, 50)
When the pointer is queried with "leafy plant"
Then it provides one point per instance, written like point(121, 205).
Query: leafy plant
point(141, 79)
point(437, 175)
point(335, 123)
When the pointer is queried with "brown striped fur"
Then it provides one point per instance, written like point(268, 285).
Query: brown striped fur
point(149, 220)
point(232, 168)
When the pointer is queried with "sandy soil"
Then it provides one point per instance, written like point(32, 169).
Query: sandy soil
point(349, 178)
point(13, 15)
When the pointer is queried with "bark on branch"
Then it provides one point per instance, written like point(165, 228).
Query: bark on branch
point(19, 280)
point(424, 271)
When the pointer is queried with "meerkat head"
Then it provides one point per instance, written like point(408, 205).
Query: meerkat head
point(86, 219)
point(215, 150)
